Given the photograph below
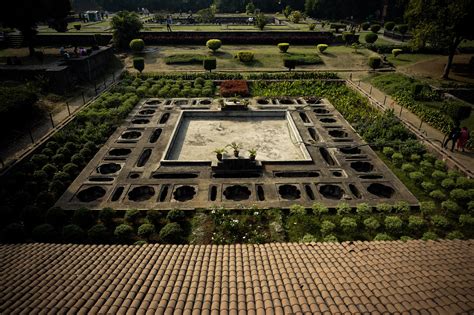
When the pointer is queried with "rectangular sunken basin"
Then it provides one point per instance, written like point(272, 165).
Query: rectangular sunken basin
point(273, 133)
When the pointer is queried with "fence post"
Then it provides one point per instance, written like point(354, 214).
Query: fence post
point(52, 121)
point(421, 124)
point(384, 99)
point(105, 79)
point(68, 109)
point(83, 99)
point(113, 76)
point(401, 108)
point(31, 135)
point(95, 86)
point(370, 92)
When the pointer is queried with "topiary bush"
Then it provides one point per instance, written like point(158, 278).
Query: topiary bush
point(139, 64)
point(297, 210)
point(365, 26)
point(98, 234)
point(137, 45)
point(209, 64)
point(171, 233)
point(401, 28)
point(124, 233)
point(396, 52)
point(389, 26)
point(415, 223)
point(106, 216)
point(214, 44)
point(454, 235)
point(145, 230)
point(311, 26)
point(388, 152)
point(77, 26)
point(397, 159)
point(401, 207)
point(363, 209)
point(450, 206)
point(308, 238)
point(448, 183)
point(375, 28)
point(56, 217)
point(428, 186)
point(382, 237)
point(44, 233)
point(319, 209)
point(371, 38)
point(375, 61)
point(322, 47)
point(73, 233)
point(245, 56)
point(429, 236)
point(327, 227)
point(371, 224)
point(408, 167)
point(176, 215)
point(438, 195)
point(343, 208)
point(393, 224)
point(417, 177)
point(427, 207)
point(84, 218)
point(131, 216)
point(440, 221)
point(348, 225)
point(384, 207)
point(283, 47)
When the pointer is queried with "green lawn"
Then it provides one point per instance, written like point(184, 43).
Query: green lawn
point(407, 59)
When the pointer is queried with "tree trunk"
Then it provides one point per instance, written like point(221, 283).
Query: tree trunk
point(451, 50)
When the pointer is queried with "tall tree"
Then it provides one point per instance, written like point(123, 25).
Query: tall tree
point(25, 15)
point(441, 23)
point(126, 26)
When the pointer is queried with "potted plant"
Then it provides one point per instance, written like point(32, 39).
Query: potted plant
point(236, 147)
point(252, 154)
point(219, 153)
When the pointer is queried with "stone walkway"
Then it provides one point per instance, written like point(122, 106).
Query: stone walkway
point(429, 135)
point(23, 140)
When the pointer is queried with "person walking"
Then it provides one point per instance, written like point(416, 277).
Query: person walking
point(169, 21)
point(452, 136)
point(463, 137)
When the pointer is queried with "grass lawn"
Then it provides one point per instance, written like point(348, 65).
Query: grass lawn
point(408, 59)
point(266, 58)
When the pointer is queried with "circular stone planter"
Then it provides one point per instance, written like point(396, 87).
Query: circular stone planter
point(289, 192)
point(108, 168)
point(381, 190)
point(184, 193)
point(331, 191)
point(120, 152)
point(154, 102)
point(237, 193)
point(130, 135)
point(91, 194)
point(141, 193)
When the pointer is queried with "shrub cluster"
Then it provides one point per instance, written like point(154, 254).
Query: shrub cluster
point(188, 59)
point(245, 56)
point(234, 88)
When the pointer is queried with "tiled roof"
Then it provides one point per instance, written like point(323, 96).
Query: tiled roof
point(286, 278)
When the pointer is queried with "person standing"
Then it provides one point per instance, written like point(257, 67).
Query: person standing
point(452, 136)
point(463, 137)
point(169, 21)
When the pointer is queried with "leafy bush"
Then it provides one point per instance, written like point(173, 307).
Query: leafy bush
point(388, 152)
point(384, 207)
point(438, 195)
point(44, 233)
point(124, 232)
point(450, 206)
point(397, 52)
point(171, 233)
point(131, 216)
point(308, 238)
point(393, 223)
point(300, 59)
point(261, 21)
point(84, 218)
point(401, 207)
point(417, 177)
point(408, 167)
point(343, 208)
point(397, 159)
point(382, 237)
point(137, 44)
point(466, 220)
point(187, 59)
point(448, 183)
point(327, 227)
point(289, 63)
point(415, 222)
point(319, 209)
point(427, 207)
point(175, 215)
point(371, 38)
point(245, 56)
point(106, 216)
point(283, 47)
point(375, 28)
point(371, 223)
point(375, 61)
point(77, 26)
point(98, 234)
point(464, 182)
point(330, 239)
point(429, 236)
point(322, 47)
point(13, 233)
point(214, 44)
point(440, 221)
point(454, 235)
point(365, 26)
point(296, 16)
point(460, 195)
point(428, 186)
point(145, 230)
point(73, 234)
point(363, 209)
point(389, 26)
point(311, 26)
point(139, 63)
point(297, 210)
point(209, 64)
point(348, 225)
point(401, 28)
point(439, 175)
point(56, 217)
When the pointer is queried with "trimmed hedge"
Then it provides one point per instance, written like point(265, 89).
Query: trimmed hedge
point(209, 64)
point(214, 44)
point(371, 38)
point(245, 56)
point(375, 61)
point(137, 45)
point(283, 47)
point(184, 59)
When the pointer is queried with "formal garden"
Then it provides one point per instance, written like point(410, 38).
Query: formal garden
point(205, 57)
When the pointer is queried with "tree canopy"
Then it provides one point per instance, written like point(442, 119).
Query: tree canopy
point(126, 26)
point(441, 24)
point(24, 15)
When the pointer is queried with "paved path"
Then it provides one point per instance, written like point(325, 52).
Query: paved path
point(22, 140)
point(429, 135)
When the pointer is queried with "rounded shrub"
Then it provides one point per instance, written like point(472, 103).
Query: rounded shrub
point(330, 239)
point(343, 208)
point(416, 158)
point(440, 221)
point(455, 235)
point(460, 195)
point(415, 222)
point(384, 207)
point(171, 233)
point(131, 216)
point(429, 236)
point(308, 238)
point(77, 26)
point(426, 167)
point(393, 223)
point(439, 175)
point(371, 224)
point(245, 56)
point(440, 165)
point(139, 64)
point(450, 206)
point(438, 195)
point(382, 237)
point(466, 220)
point(396, 52)
point(417, 177)
point(71, 169)
point(311, 26)
point(363, 209)
point(427, 207)
point(375, 28)
point(214, 44)
point(98, 234)
point(397, 159)
point(389, 26)
point(209, 64)
point(106, 216)
point(73, 233)
point(401, 207)
point(371, 38)
point(55, 216)
point(327, 227)
point(322, 47)
point(124, 232)
point(137, 44)
point(408, 167)
point(297, 210)
point(44, 233)
point(448, 183)
point(176, 215)
point(83, 217)
point(145, 230)
point(428, 186)
point(388, 151)
point(401, 28)
point(50, 169)
point(40, 176)
point(78, 158)
point(283, 47)
point(348, 224)
point(365, 26)
point(319, 208)
point(464, 182)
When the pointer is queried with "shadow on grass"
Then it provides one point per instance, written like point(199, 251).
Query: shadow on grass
point(251, 64)
point(328, 54)
point(222, 54)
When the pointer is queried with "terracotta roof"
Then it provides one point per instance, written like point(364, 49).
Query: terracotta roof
point(287, 278)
